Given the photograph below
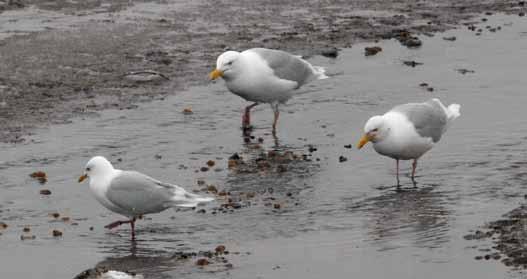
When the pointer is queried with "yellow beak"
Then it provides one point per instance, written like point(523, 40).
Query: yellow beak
point(215, 74)
point(82, 178)
point(363, 140)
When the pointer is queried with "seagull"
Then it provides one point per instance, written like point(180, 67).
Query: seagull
point(408, 131)
point(261, 75)
point(132, 193)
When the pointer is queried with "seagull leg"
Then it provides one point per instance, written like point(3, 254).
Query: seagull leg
point(246, 118)
point(274, 106)
point(132, 226)
point(414, 166)
point(397, 172)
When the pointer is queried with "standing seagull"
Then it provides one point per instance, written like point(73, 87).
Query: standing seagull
point(133, 194)
point(261, 75)
point(408, 131)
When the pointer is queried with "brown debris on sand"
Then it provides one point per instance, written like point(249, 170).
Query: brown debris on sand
point(369, 51)
point(40, 176)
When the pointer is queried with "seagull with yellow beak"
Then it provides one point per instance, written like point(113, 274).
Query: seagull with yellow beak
point(408, 131)
point(261, 75)
point(132, 193)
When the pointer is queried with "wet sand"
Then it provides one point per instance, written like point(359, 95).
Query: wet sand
point(63, 59)
point(334, 218)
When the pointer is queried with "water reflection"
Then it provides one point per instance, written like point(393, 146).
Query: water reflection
point(415, 215)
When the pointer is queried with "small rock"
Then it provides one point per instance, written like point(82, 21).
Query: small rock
point(465, 71)
point(27, 237)
point(26, 229)
point(260, 140)
point(228, 265)
point(521, 14)
point(412, 63)
point(235, 156)
point(369, 51)
point(3, 225)
point(452, 38)
point(204, 169)
point(212, 189)
point(158, 157)
point(40, 176)
point(342, 159)
point(201, 182)
point(202, 211)
point(202, 262)
point(430, 89)
point(331, 52)
point(348, 146)
point(56, 233)
point(187, 111)
point(211, 163)
point(220, 249)
point(45, 192)
point(484, 19)
point(91, 228)
point(277, 206)
point(312, 149)
point(54, 215)
point(65, 219)
point(478, 258)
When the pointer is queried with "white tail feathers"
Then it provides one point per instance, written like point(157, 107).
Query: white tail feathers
point(320, 72)
point(189, 200)
point(453, 111)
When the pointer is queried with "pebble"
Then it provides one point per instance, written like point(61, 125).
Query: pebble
point(187, 111)
point(211, 163)
point(348, 146)
point(27, 237)
point(342, 159)
point(369, 51)
point(204, 169)
point(56, 233)
point(55, 215)
point(331, 52)
point(202, 262)
point(26, 229)
point(40, 176)
point(412, 63)
point(277, 206)
point(45, 192)
point(220, 249)
point(3, 225)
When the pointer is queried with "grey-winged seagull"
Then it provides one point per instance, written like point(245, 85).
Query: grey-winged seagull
point(408, 131)
point(133, 194)
point(261, 75)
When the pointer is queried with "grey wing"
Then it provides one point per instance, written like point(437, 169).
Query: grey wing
point(287, 66)
point(138, 193)
point(429, 118)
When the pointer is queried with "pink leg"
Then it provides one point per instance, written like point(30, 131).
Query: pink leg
point(397, 171)
point(118, 223)
point(414, 166)
point(246, 118)
point(274, 106)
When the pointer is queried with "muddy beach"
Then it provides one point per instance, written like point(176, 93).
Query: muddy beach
point(116, 79)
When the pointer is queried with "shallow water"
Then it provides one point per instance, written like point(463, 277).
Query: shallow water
point(342, 218)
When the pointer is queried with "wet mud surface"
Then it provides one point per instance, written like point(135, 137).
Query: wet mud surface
point(62, 59)
point(304, 204)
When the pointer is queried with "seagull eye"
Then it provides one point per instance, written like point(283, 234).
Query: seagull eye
point(229, 63)
point(88, 169)
point(375, 130)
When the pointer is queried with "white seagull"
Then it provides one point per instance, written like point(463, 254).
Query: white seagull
point(133, 194)
point(408, 131)
point(261, 75)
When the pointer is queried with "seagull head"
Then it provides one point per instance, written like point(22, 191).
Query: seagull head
point(96, 166)
point(375, 130)
point(226, 65)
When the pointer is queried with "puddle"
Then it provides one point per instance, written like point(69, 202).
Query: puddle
point(340, 218)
